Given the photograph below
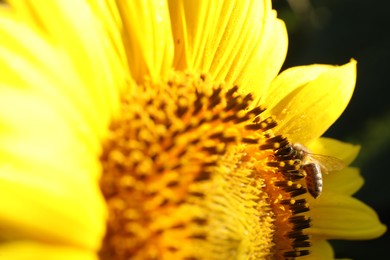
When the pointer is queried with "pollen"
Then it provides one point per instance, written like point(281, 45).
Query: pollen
point(192, 170)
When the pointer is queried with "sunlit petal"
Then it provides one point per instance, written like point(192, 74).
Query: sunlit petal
point(331, 147)
point(309, 106)
point(339, 216)
point(25, 250)
point(76, 222)
point(347, 181)
point(148, 38)
point(52, 67)
point(251, 57)
point(320, 250)
point(41, 155)
point(258, 71)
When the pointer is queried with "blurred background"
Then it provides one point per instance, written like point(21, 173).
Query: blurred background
point(333, 32)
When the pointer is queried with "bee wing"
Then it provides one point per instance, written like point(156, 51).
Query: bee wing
point(328, 163)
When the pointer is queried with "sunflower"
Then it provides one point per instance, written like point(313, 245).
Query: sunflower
point(162, 130)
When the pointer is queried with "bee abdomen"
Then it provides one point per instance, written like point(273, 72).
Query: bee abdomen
point(313, 179)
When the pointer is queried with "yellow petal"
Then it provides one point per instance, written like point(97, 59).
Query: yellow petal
point(327, 146)
point(320, 250)
point(266, 59)
point(74, 107)
point(47, 175)
point(27, 250)
point(306, 106)
point(35, 127)
point(347, 181)
point(192, 24)
point(108, 13)
point(80, 69)
point(339, 216)
point(291, 79)
point(235, 41)
point(41, 207)
point(147, 37)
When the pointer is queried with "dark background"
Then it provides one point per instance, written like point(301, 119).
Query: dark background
point(333, 32)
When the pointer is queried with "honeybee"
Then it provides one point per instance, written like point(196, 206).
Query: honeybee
point(314, 165)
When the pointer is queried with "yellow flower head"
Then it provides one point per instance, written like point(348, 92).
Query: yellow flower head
point(162, 130)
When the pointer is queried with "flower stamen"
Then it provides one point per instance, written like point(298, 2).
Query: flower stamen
point(193, 171)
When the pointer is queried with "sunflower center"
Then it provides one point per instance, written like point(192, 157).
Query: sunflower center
point(191, 170)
